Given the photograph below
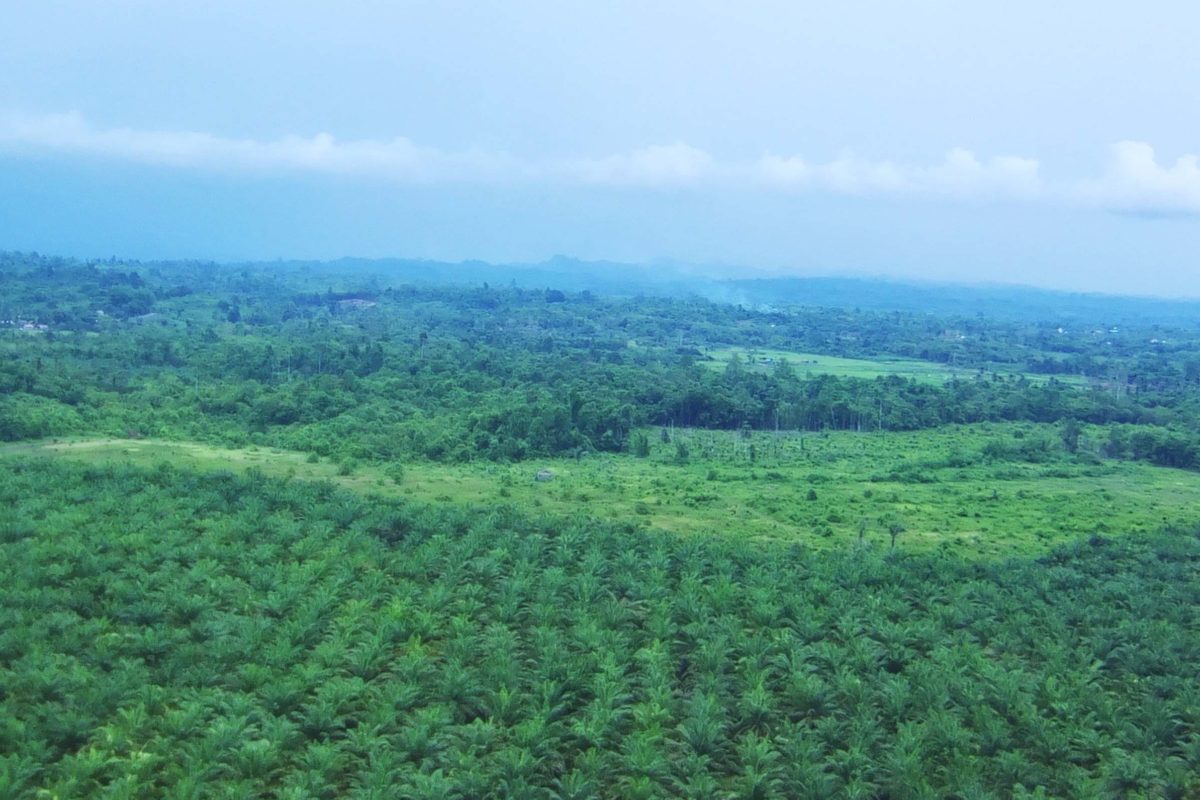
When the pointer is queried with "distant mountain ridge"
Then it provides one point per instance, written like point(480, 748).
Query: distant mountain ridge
point(721, 284)
point(878, 294)
point(1016, 302)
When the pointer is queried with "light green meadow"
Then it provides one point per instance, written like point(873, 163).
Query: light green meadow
point(819, 490)
point(766, 359)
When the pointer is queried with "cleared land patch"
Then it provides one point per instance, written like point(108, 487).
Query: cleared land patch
point(933, 489)
point(766, 359)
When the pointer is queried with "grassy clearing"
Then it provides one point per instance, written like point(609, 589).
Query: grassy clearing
point(818, 490)
point(765, 360)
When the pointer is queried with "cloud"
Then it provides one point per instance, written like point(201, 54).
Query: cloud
point(396, 158)
point(660, 165)
point(1134, 182)
point(960, 174)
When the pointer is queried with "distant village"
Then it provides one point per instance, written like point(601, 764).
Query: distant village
point(29, 325)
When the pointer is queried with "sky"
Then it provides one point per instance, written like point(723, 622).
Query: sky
point(1050, 144)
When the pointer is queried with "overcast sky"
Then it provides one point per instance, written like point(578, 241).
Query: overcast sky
point(1031, 142)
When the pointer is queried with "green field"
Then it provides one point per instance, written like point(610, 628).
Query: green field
point(820, 490)
point(765, 359)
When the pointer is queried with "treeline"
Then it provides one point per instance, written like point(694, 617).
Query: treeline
point(378, 419)
point(453, 400)
point(361, 370)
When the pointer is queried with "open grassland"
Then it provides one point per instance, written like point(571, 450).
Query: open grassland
point(766, 359)
point(932, 489)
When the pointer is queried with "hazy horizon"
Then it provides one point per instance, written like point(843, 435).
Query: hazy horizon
point(1024, 145)
point(671, 271)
